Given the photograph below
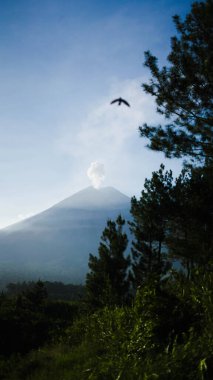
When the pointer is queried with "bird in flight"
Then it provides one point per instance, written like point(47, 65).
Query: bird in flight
point(120, 100)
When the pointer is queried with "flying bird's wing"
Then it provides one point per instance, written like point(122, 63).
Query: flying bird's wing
point(114, 101)
point(125, 102)
point(120, 100)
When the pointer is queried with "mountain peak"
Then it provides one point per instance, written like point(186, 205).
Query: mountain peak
point(90, 198)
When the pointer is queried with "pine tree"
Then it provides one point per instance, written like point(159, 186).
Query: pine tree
point(183, 91)
point(107, 282)
point(190, 233)
point(150, 216)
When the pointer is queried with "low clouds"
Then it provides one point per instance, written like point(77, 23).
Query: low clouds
point(96, 174)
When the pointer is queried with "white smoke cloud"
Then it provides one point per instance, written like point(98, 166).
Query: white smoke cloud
point(96, 174)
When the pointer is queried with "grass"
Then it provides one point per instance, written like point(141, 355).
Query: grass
point(56, 363)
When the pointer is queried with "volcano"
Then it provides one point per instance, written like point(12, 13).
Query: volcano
point(55, 244)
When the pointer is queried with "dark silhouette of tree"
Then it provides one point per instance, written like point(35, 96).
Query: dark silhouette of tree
point(183, 90)
point(107, 282)
point(190, 227)
point(173, 220)
point(150, 217)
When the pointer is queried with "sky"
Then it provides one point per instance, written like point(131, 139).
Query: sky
point(61, 64)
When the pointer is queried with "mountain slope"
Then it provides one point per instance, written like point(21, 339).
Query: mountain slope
point(56, 243)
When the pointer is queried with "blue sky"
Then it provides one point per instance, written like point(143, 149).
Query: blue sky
point(61, 63)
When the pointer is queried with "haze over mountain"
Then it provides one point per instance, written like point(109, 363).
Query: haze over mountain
point(55, 244)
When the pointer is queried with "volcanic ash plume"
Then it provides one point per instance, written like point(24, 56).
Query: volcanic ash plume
point(96, 174)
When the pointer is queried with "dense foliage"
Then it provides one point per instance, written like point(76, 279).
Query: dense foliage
point(167, 334)
point(29, 319)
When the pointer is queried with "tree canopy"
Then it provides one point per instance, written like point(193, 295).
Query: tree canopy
point(107, 282)
point(183, 89)
point(150, 217)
